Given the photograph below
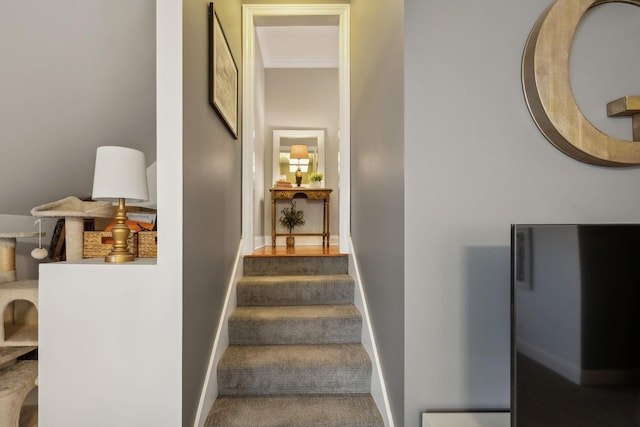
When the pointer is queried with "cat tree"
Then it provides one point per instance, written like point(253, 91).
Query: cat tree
point(18, 378)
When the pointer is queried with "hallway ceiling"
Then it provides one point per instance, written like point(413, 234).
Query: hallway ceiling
point(299, 46)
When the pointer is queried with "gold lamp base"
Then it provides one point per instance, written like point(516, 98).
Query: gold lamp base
point(298, 177)
point(120, 232)
point(117, 257)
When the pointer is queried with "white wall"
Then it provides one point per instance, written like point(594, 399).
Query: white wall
point(262, 156)
point(474, 163)
point(111, 335)
point(167, 287)
point(109, 346)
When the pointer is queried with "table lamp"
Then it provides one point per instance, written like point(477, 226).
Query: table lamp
point(120, 175)
point(299, 157)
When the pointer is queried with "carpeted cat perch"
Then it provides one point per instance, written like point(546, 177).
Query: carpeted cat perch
point(73, 210)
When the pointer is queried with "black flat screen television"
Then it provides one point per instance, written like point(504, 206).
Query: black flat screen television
point(575, 325)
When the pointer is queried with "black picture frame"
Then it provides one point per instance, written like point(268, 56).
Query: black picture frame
point(223, 75)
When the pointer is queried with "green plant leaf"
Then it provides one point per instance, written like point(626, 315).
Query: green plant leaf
point(291, 217)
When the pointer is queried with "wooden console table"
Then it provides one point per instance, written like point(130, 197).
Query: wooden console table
point(323, 194)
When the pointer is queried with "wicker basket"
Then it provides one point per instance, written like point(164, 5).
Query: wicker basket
point(148, 244)
point(99, 243)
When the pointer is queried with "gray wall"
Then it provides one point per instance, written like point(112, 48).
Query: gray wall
point(75, 75)
point(212, 190)
point(377, 187)
point(303, 98)
point(474, 163)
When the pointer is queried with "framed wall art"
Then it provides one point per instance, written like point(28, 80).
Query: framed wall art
point(223, 75)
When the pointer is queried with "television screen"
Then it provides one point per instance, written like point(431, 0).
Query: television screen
point(575, 325)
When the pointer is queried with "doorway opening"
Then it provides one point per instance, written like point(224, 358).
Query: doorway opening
point(256, 177)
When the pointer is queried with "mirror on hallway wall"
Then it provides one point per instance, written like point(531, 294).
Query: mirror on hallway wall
point(283, 140)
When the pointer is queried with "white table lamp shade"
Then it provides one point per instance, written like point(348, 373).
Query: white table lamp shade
point(120, 172)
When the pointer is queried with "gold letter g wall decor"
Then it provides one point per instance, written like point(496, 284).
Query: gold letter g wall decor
point(547, 89)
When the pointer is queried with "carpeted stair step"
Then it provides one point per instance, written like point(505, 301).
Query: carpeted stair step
point(316, 324)
point(295, 290)
point(357, 410)
point(295, 357)
point(293, 265)
point(294, 369)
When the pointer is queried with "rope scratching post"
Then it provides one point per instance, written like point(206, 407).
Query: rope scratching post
point(8, 254)
point(7, 260)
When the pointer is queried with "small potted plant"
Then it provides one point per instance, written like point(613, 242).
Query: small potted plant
point(316, 179)
point(290, 219)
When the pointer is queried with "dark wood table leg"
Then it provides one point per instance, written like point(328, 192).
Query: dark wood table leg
point(273, 222)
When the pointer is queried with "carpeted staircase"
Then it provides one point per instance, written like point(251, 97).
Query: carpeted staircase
point(295, 357)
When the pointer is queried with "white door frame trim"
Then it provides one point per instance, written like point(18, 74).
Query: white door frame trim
point(249, 12)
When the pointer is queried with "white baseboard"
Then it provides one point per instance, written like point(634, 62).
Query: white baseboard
point(378, 386)
point(221, 342)
point(259, 241)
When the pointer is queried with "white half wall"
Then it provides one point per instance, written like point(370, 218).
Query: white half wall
point(109, 348)
point(110, 335)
